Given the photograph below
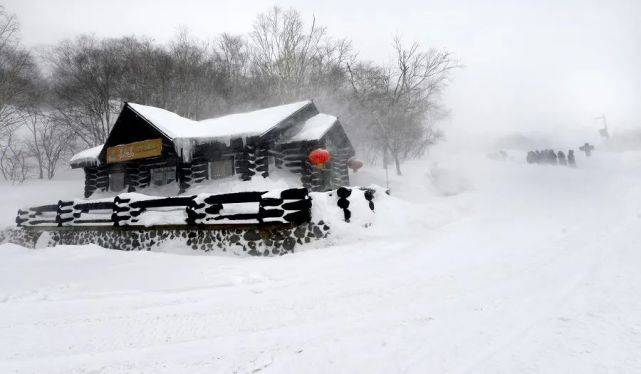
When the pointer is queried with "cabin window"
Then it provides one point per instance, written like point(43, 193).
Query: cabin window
point(221, 168)
point(162, 176)
point(116, 181)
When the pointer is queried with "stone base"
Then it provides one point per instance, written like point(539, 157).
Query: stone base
point(252, 241)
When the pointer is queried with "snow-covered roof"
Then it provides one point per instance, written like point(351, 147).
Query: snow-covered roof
point(313, 129)
point(86, 157)
point(185, 132)
point(223, 128)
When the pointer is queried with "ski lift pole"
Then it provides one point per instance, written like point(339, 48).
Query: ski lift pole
point(604, 131)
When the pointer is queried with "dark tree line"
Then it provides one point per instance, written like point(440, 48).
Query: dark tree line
point(390, 111)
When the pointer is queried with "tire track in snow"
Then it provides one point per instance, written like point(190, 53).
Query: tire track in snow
point(560, 299)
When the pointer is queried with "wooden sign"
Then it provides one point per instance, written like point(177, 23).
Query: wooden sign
point(134, 151)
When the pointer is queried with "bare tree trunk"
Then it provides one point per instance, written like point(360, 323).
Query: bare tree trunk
point(385, 161)
point(36, 150)
point(51, 170)
point(397, 162)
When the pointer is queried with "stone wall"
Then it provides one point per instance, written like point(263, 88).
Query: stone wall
point(249, 241)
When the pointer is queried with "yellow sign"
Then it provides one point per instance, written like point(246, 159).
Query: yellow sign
point(134, 151)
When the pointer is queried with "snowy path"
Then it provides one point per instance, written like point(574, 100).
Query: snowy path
point(532, 269)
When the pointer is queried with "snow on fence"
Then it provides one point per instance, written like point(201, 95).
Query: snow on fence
point(243, 223)
point(290, 206)
point(343, 202)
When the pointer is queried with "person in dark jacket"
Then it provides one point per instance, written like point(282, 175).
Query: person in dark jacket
point(571, 160)
point(561, 158)
point(531, 157)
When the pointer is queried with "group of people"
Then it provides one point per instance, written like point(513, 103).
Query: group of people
point(549, 156)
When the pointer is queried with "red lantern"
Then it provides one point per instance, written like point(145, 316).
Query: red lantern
point(354, 164)
point(319, 158)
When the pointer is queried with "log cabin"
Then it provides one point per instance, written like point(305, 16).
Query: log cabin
point(150, 146)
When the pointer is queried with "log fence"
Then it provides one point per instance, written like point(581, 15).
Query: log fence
point(290, 206)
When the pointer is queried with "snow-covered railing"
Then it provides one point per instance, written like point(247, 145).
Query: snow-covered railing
point(343, 202)
point(290, 206)
point(242, 223)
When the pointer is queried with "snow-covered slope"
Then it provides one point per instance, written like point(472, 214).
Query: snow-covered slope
point(479, 266)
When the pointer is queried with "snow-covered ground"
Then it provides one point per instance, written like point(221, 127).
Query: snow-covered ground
point(474, 265)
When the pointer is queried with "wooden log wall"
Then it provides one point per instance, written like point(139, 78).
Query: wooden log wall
point(138, 174)
point(249, 166)
point(184, 177)
point(262, 161)
point(339, 173)
point(96, 179)
point(192, 172)
point(313, 177)
point(249, 161)
point(293, 157)
point(252, 160)
point(277, 154)
point(240, 165)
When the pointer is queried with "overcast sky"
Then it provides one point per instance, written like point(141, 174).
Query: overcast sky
point(528, 64)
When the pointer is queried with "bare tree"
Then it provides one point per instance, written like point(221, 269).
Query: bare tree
point(47, 143)
point(86, 76)
point(186, 76)
point(234, 56)
point(291, 60)
point(403, 99)
point(282, 47)
point(197, 77)
point(18, 75)
point(234, 53)
point(14, 159)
